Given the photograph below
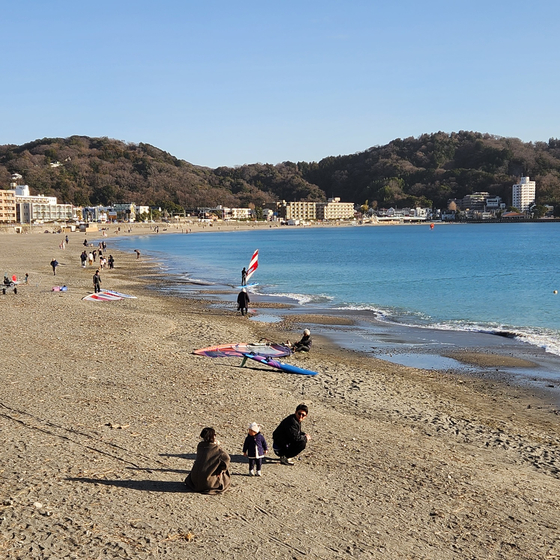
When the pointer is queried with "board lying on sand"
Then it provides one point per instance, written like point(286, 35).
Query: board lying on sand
point(288, 368)
point(102, 296)
point(241, 349)
point(113, 293)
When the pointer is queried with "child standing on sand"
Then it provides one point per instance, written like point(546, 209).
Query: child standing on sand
point(255, 448)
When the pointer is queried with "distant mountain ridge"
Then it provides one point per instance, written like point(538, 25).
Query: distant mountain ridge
point(426, 170)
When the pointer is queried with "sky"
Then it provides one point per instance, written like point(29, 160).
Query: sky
point(226, 83)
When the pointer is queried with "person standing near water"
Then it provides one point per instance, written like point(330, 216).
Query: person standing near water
point(243, 302)
point(244, 277)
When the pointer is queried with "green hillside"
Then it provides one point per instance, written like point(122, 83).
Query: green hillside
point(426, 170)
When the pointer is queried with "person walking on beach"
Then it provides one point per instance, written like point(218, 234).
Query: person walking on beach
point(287, 439)
point(97, 282)
point(83, 258)
point(244, 277)
point(255, 448)
point(243, 302)
point(111, 262)
point(54, 264)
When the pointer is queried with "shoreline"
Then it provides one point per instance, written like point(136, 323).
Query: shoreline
point(516, 361)
point(102, 404)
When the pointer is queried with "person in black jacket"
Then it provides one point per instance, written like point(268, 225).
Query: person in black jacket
point(287, 439)
point(243, 301)
point(304, 345)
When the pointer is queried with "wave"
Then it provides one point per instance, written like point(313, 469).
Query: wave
point(541, 337)
point(303, 299)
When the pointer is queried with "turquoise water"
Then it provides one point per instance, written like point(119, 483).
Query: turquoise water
point(478, 277)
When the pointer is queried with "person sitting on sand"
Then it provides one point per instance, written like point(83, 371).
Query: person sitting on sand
point(287, 439)
point(210, 472)
point(304, 345)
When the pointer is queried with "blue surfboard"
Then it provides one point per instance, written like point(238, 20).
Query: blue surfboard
point(288, 368)
point(248, 286)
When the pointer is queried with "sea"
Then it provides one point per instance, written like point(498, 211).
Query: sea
point(498, 280)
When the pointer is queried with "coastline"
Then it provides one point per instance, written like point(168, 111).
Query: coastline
point(102, 405)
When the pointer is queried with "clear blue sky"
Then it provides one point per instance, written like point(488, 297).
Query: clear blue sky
point(232, 82)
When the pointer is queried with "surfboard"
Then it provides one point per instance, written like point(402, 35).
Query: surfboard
point(102, 296)
point(243, 348)
point(288, 368)
point(247, 286)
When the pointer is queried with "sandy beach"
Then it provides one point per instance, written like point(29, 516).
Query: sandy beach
point(102, 403)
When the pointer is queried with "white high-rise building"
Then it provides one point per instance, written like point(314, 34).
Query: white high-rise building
point(523, 194)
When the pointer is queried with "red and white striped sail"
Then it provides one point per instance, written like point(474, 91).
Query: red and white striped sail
point(253, 265)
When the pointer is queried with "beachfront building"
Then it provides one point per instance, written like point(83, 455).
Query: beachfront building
point(301, 210)
point(40, 209)
point(8, 213)
point(523, 194)
point(236, 213)
point(333, 209)
point(126, 212)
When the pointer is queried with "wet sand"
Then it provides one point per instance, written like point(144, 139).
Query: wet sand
point(101, 406)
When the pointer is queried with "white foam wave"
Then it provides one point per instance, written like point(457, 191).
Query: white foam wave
point(303, 299)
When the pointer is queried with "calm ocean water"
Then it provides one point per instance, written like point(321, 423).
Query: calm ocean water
point(476, 277)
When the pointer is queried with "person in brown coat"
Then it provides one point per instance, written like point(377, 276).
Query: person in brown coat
point(210, 472)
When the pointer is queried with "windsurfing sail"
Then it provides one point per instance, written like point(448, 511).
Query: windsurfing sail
point(270, 350)
point(253, 265)
point(102, 296)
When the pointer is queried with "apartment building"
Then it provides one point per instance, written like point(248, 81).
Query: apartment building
point(333, 209)
point(523, 194)
point(8, 206)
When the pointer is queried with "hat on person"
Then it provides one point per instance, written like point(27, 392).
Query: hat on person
point(306, 332)
point(254, 427)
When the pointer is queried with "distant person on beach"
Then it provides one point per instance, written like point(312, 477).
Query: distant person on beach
point(288, 439)
point(243, 277)
point(83, 258)
point(85, 242)
point(255, 448)
point(304, 345)
point(210, 471)
point(90, 258)
point(111, 262)
point(137, 253)
point(97, 282)
point(54, 264)
point(243, 302)
point(66, 240)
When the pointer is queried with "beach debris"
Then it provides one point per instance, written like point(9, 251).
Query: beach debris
point(188, 536)
point(117, 426)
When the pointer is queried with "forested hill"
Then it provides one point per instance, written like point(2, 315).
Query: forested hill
point(426, 170)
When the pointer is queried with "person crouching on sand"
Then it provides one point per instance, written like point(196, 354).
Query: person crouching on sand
point(255, 448)
point(287, 439)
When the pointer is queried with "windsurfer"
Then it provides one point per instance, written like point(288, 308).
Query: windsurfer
point(244, 277)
